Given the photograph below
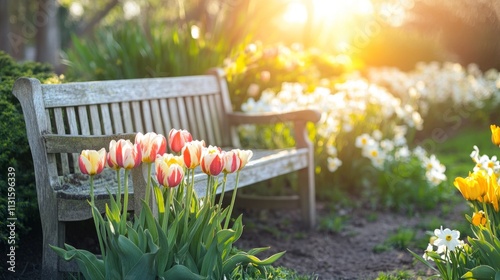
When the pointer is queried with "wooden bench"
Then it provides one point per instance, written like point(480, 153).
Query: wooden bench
point(61, 120)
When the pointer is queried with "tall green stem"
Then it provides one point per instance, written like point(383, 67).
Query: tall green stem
point(148, 186)
point(187, 205)
point(166, 215)
point(207, 192)
point(94, 215)
point(119, 191)
point(224, 180)
point(233, 198)
point(125, 198)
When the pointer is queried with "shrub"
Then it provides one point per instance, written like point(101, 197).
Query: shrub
point(14, 146)
point(129, 50)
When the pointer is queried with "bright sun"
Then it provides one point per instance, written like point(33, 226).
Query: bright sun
point(327, 10)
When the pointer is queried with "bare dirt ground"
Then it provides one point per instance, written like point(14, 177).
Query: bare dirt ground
point(320, 253)
point(347, 254)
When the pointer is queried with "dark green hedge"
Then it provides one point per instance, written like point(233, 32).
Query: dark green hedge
point(14, 151)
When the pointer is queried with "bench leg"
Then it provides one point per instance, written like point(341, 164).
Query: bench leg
point(307, 196)
point(53, 234)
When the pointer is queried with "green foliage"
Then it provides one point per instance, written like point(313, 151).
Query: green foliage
point(15, 150)
point(130, 50)
point(190, 238)
point(271, 273)
point(400, 240)
point(403, 187)
point(333, 223)
point(397, 275)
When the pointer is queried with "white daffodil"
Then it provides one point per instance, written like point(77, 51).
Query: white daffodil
point(364, 140)
point(429, 249)
point(447, 237)
point(333, 163)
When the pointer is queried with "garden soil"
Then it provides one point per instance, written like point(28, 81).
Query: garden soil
point(346, 253)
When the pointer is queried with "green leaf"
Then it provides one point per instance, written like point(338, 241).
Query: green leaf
point(90, 266)
point(144, 268)
point(482, 272)
point(180, 272)
point(244, 258)
point(164, 258)
point(159, 198)
point(150, 223)
point(422, 260)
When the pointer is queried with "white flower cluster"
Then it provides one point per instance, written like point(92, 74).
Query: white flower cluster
point(380, 151)
point(445, 241)
point(340, 110)
point(484, 162)
point(355, 102)
point(435, 83)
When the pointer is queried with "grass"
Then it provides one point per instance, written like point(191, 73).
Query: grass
point(455, 151)
point(400, 240)
point(396, 275)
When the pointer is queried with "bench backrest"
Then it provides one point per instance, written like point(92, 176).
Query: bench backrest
point(196, 103)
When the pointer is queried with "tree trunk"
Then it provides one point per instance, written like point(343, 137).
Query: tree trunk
point(4, 26)
point(47, 37)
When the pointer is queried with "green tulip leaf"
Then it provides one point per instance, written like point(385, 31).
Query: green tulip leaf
point(244, 258)
point(482, 272)
point(90, 266)
point(150, 223)
point(180, 272)
point(159, 198)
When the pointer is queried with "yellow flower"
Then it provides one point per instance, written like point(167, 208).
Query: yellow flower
point(495, 134)
point(474, 187)
point(492, 194)
point(479, 218)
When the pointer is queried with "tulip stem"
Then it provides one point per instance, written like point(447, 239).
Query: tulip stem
point(233, 198)
point(224, 180)
point(148, 186)
point(187, 206)
point(119, 191)
point(209, 185)
point(166, 215)
point(125, 198)
point(94, 214)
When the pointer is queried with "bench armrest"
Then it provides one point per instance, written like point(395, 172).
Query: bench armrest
point(299, 118)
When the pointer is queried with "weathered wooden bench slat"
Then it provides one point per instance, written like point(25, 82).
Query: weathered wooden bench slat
point(55, 143)
point(183, 118)
point(99, 92)
point(106, 119)
point(173, 112)
point(84, 120)
point(62, 120)
point(202, 129)
point(126, 116)
point(59, 120)
point(95, 120)
point(116, 118)
point(157, 121)
point(164, 116)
